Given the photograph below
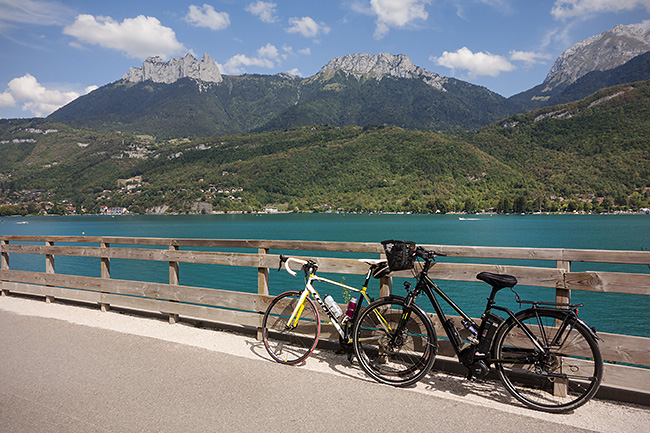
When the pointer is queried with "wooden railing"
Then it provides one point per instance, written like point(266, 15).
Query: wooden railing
point(627, 371)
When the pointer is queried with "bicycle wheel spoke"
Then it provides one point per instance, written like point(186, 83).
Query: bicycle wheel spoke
point(292, 342)
point(388, 353)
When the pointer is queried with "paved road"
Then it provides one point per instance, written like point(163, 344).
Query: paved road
point(62, 376)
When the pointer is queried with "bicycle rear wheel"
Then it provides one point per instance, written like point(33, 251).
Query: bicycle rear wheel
point(564, 378)
point(390, 354)
point(290, 343)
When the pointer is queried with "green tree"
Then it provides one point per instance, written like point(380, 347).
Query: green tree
point(520, 204)
point(470, 205)
point(608, 204)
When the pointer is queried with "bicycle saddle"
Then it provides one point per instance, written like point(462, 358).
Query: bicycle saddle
point(380, 267)
point(498, 281)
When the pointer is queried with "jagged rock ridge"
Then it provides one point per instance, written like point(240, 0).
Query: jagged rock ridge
point(381, 65)
point(159, 71)
point(601, 52)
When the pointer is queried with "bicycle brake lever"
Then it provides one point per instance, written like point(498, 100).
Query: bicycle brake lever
point(283, 259)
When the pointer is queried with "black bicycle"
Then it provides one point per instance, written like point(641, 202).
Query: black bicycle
point(546, 357)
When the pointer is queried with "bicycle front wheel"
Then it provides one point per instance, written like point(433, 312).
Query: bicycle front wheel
point(394, 344)
point(290, 342)
point(563, 378)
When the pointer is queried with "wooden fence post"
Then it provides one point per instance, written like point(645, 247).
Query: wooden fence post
point(105, 273)
point(385, 283)
point(4, 259)
point(563, 296)
point(174, 279)
point(262, 285)
point(49, 269)
point(385, 286)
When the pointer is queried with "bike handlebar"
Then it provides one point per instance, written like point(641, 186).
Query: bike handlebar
point(286, 260)
point(427, 254)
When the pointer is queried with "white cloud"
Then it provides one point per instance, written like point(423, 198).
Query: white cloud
point(563, 9)
point(397, 13)
point(268, 51)
point(266, 58)
point(307, 27)
point(288, 51)
point(7, 100)
point(474, 63)
point(237, 64)
point(206, 16)
point(34, 97)
point(265, 11)
point(528, 57)
point(305, 51)
point(295, 71)
point(138, 37)
point(32, 12)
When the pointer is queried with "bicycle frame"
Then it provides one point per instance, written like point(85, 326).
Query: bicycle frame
point(430, 288)
point(310, 268)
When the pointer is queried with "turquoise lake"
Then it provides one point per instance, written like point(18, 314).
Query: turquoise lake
point(606, 311)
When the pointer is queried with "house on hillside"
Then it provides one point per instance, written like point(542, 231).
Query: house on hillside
point(113, 211)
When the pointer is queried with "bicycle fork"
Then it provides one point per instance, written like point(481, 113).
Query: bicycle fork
point(297, 312)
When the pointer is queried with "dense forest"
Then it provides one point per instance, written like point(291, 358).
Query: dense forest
point(591, 155)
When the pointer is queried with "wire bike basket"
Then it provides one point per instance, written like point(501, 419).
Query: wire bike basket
point(400, 254)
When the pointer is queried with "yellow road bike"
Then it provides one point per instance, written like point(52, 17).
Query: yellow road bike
point(291, 324)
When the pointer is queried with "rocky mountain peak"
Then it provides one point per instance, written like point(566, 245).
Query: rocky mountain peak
point(380, 66)
point(601, 52)
point(159, 71)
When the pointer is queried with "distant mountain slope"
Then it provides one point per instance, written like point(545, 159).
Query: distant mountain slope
point(187, 107)
point(358, 89)
point(339, 98)
point(606, 51)
point(602, 52)
point(637, 69)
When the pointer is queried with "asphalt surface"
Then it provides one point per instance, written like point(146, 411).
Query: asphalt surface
point(61, 376)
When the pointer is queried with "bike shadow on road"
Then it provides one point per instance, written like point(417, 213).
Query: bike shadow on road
point(338, 362)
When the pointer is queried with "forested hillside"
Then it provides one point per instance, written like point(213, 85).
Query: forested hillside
point(591, 155)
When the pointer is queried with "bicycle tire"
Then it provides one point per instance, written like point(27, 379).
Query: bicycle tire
point(399, 360)
point(560, 382)
point(290, 344)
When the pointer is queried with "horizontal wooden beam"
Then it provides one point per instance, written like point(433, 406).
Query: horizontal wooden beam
point(550, 254)
point(526, 275)
point(360, 247)
point(638, 284)
point(516, 253)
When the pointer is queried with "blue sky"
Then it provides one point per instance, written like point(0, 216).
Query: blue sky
point(54, 51)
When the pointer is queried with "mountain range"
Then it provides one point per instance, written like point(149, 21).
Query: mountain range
point(184, 97)
point(586, 155)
